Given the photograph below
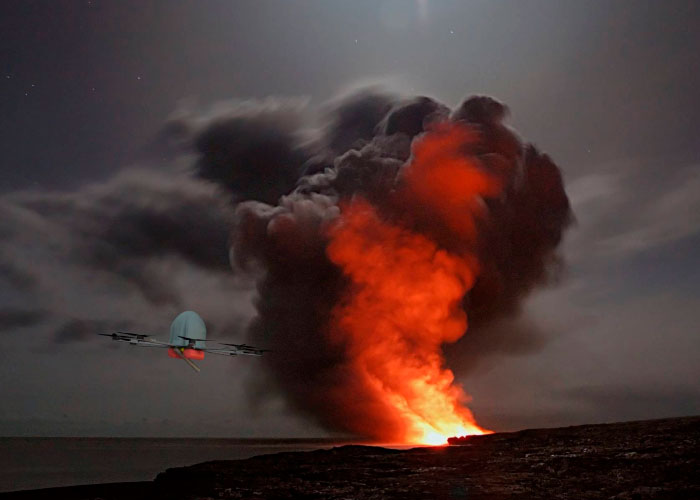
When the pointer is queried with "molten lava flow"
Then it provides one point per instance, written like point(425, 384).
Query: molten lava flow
point(405, 293)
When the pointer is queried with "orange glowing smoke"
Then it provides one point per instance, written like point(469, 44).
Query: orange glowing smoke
point(405, 294)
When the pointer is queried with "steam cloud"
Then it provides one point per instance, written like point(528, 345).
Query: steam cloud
point(362, 151)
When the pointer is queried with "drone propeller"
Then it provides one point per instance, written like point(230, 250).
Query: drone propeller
point(191, 339)
point(123, 336)
point(134, 334)
point(246, 347)
point(187, 360)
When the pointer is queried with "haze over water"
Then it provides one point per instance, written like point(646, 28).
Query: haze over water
point(32, 463)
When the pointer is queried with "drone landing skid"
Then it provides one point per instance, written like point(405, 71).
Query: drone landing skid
point(183, 353)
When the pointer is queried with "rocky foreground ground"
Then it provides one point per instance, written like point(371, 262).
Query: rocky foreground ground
point(656, 459)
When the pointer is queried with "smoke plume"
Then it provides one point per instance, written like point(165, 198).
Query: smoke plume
point(411, 226)
point(393, 244)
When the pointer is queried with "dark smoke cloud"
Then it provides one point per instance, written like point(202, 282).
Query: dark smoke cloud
point(353, 119)
point(16, 276)
point(14, 318)
point(126, 248)
point(371, 140)
point(347, 123)
point(519, 240)
point(253, 149)
point(485, 341)
point(79, 330)
point(122, 228)
point(411, 116)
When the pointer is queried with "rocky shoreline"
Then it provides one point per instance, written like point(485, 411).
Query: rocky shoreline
point(655, 459)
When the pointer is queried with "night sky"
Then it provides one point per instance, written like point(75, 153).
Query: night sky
point(100, 100)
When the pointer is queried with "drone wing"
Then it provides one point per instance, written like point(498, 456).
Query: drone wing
point(244, 349)
point(143, 340)
point(139, 339)
point(223, 352)
point(237, 346)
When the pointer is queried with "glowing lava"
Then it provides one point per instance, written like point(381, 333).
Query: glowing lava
point(405, 292)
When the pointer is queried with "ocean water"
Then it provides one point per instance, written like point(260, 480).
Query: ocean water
point(32, 463)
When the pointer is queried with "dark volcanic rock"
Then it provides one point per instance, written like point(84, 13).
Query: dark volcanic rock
point(655, 459)
point(640, 460)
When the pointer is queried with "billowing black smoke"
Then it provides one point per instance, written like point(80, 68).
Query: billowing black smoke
point(254, 149)
point(360, 151)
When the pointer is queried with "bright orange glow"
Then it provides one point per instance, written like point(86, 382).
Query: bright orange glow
point(444, 179)
point(187, 353)
point(405, 296)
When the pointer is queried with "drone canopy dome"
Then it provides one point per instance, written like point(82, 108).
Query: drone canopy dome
point(188, 324)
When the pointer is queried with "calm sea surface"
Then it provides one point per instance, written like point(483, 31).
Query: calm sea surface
point(29, 463)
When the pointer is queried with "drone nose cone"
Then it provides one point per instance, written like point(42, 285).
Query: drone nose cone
point(188, 324)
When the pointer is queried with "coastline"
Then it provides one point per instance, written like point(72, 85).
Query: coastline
point(641, 460)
